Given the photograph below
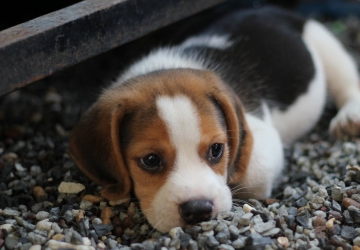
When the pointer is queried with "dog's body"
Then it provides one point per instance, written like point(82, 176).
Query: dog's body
point(186, 122)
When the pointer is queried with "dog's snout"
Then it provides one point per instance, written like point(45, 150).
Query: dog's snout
point(196, 211)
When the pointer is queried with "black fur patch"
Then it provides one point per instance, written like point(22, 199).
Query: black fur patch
point(268, 59)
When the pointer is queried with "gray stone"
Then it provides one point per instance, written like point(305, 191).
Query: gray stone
point(236, 218)
point(35, 170)
point(8, 212)
point(271, 232)
point(223, 236)
point(337, 193)
point(303, 218)
point(149, 245)
point(292, 211)
point(220, 226)
point(42, 215)
point(257, 219)
point(68, 235)
point(26, 246)
point(23, 208)
point(300, 244)
point(347, 217)
point(36, 239)
point(96, 221)
point(289, 234)
point(184, 240)
point(357, 241)
point(86, 205)
point(239, 243)
point(76, 238)
point(41, 232)
point(201, 240)
point(208, 225)
point(175, 232)
point(299, 229)
point(243, 229)
point(263, 227)
point(322, 193)
point(193, 231)
point(56, 228)
point(44, 225)
point(354, 213)
point(234, 232)
point(193, 245)
point(282, 211)
point(208, 233)
point(137, 246)
point(336, 206)
point(211, 242)
point(348, 233)
point(319, 200)
point(10, 242)
point(225, 247)
point(175, 242)
point(245, 219)
point(112, 244)
point(144, 229)
point(36, 207)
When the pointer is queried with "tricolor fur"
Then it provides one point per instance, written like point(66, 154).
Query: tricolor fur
point(186, 124)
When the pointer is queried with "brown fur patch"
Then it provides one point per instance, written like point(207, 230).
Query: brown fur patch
point(110, 157)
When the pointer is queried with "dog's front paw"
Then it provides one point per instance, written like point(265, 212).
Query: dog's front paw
point(347, 120)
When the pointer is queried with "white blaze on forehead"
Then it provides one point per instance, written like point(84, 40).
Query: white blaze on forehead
point(182, 121)
point(191, 178)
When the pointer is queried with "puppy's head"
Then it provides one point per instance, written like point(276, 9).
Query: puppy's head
point(172, 137)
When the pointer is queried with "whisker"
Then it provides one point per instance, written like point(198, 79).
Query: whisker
point(154, 228)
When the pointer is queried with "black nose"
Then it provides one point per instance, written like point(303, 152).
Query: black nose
point(196, 211)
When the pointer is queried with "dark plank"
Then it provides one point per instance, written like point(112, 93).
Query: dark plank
point(40, 47)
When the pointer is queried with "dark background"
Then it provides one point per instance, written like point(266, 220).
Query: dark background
point(88, 77)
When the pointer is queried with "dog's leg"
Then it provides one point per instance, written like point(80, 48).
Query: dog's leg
point(266, 161)
point(342, 78)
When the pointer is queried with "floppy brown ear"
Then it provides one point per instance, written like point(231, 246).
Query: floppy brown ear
point(95, 147)
point(240, 139)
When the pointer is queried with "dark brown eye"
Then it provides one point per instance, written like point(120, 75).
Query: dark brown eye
point(151, 162)
point(215, 152)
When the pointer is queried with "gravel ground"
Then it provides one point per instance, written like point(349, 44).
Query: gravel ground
point(47, 203)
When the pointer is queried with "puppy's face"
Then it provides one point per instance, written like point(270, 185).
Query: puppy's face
point(170, 136)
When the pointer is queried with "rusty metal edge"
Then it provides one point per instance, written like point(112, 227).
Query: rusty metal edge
point(45, 45)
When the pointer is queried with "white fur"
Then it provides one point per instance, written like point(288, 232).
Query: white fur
point(191, 177)
point(163, 58)
point(342, 78)
point(211, 41)
point(173, 57)
point(267, 159)
point(303, 114)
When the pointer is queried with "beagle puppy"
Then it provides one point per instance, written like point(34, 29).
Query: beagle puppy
point(191, 126)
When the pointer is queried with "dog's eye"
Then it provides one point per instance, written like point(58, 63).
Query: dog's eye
point(151, 162)
point(215, 152)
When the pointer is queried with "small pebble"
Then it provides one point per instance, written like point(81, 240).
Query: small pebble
point(86, 205)
point(350, 202)
point(330, 223)
point(35, 247)
point(245, 219)
point(92, 198)
point(70, 187)
point(42, 215)
point(106, 215)
point(208, 225)
point(247, 208)
point(40, 194)
point(283, 241)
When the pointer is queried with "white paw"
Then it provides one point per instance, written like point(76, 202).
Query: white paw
point(347, 120)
